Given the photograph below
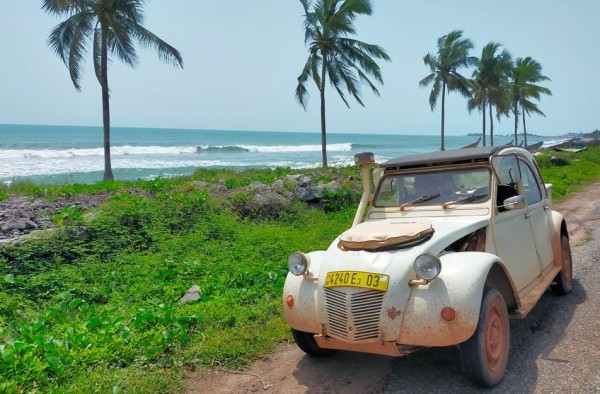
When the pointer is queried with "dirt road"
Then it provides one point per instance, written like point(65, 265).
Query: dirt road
point(556, 349)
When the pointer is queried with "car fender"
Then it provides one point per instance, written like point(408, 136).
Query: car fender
point(558, 223)
point(302, 315)
point(459, 286)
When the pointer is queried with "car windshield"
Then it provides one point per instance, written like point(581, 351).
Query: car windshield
point(458, 186)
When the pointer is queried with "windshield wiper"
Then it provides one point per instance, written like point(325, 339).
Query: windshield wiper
point(420, 200)
point(472, 197)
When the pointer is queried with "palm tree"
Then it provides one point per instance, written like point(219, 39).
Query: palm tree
point(522, 88)
point(346, 61)
point(452, 54)
point(110, 26)
point(492, 69)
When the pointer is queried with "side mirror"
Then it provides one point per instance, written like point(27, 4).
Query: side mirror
point(515, 202)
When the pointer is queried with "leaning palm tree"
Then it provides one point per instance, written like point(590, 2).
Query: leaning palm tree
point(110, 27)
point(522, 88)
point(486, 91)
point(452, 54)
point(346, 61)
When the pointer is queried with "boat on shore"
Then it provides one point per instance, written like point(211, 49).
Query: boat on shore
point(473, 144)
point(562, 145)
point(535, 146)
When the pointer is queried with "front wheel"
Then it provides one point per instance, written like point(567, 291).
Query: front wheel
point(564, 280)
point(485, 355)
point(306, 342)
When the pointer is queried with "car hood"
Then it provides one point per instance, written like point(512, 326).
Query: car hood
point(445, 231)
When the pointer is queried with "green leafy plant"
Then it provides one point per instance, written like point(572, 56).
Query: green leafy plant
point(68, 216)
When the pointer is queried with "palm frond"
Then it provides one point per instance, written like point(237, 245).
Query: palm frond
point(427, 80)
point(349, 62)
point(166, 52)
point(62, 7)
point(338, 77)
point(68, 41)
point(435, 93)
point(120, 40)
point(301, 91)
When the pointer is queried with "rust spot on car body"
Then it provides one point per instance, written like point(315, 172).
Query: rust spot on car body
point(393, 312)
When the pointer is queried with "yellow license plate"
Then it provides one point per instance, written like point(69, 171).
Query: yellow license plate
point(365, 280)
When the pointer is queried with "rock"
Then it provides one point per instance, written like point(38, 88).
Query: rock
point(268, 197)
point(300, 180)
point(557, 161)
point(257, 186)
point(309, 194)
point(193, 294)
point(278, 185)
point(18, 223)
point(333, 187)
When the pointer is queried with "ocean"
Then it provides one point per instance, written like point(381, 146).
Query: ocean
point(74, 154)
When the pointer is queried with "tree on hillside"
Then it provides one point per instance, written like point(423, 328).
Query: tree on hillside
point(487, 84)
point(452, 55)
point(346, 61)
point(522, 88)
point(110, 27)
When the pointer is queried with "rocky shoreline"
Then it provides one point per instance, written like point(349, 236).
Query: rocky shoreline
point(21, 215)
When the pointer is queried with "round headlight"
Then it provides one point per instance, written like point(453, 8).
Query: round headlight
point(427, 266)
point(298, 263)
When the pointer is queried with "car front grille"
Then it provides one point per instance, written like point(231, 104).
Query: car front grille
point(353, 316)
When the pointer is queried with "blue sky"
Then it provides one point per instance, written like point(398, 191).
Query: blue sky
point(242, 59)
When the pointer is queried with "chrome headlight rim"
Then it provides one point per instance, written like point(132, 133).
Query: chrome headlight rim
point(298, 263)
point(427, 267)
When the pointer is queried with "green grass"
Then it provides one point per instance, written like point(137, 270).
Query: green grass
point(98, 299)
point(94, 306)
point(583, 168)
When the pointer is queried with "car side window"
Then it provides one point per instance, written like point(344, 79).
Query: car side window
point(507, 171)
point(530, 185)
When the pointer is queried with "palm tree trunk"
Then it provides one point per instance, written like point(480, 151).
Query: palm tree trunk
point(323, 125)
point(108, 175)
point(491, 126)
point(442, 147)
point(483, 117)
point(524, 128)
point(515, 109)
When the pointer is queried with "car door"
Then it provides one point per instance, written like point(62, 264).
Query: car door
point(538, 209)
point(513, 238)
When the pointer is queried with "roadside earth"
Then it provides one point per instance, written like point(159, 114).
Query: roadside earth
point(556, 349)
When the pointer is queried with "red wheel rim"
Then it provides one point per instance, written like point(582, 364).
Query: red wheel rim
point(495, 336)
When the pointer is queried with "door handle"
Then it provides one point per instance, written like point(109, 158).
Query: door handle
point(527, 215)
point(546, 207)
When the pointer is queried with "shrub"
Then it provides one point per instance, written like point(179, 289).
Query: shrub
point(337, 201)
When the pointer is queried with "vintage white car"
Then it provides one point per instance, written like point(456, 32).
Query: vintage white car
point(454, 243)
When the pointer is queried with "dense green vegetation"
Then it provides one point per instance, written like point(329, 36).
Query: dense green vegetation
point(94, 305)
point(583, 167)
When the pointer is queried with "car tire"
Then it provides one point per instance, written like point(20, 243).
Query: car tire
point(485, 355)
point(563, 283)
point(306, 342)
